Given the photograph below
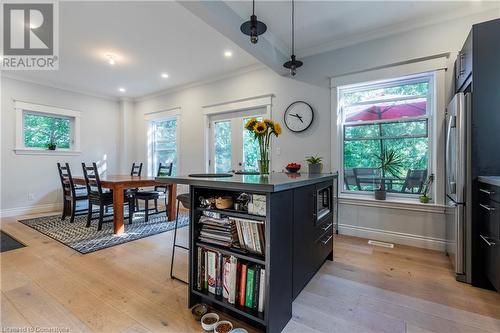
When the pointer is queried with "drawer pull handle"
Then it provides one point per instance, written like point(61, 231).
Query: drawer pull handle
point(488, 240)
point(327, 227)
point(488, 208)
point(326, 241)
point(486, 191)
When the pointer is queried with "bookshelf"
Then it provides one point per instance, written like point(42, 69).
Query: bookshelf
point(296, 245)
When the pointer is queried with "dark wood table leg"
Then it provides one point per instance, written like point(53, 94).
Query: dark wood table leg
point(172, 195)
point(118, 209)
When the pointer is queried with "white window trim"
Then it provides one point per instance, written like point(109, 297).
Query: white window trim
point(437, 65)
point(21, 107)
point(209, 111)
point(172, 113)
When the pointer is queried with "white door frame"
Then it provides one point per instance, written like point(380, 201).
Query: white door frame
point(257, 102)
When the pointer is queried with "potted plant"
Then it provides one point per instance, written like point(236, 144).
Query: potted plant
point(315, 165)
point(52, 145)
point(390, 163)
point(427, 186)
point(263, 131)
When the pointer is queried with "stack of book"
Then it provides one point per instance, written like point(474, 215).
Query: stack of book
point(219, 231)
point(250, 235)
point(237, 281)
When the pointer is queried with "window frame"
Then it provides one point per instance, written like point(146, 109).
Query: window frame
point(23, 108)
point(151, 119)
point(429, 117)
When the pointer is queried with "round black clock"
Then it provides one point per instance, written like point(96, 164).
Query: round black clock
point(299, 116)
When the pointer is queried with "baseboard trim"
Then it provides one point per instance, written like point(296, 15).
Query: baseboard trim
point(17, 211)
point(393, 237)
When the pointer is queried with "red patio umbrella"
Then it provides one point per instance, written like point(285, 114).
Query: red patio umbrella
point(388, 110)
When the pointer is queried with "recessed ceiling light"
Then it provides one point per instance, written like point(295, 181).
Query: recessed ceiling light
point(121, 89)
point(164, 75)
point(228, 54)
point(111, 59)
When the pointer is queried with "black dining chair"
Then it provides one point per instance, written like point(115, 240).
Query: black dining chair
point(71, 193)
point(100, 197)
point(185, 200)
point(159, 191)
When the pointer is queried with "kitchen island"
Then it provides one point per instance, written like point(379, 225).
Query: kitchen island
point(256, 241)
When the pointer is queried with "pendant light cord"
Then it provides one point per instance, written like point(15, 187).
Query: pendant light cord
point(253, 7)
point(293, 27)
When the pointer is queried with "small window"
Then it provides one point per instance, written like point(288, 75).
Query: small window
point(40, 131)
point(390, 117)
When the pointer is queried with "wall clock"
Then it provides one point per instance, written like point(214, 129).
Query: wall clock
point(299, 116)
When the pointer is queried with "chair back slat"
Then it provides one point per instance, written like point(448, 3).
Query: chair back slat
point(136, 169)
point(414, 180)
point(164, 170)
point(66, 179)
point(92, 180)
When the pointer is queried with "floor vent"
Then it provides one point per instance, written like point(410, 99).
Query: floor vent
point(381, 244)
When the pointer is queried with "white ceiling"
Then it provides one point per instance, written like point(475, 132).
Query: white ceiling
point(323, 25)
point(149, 38)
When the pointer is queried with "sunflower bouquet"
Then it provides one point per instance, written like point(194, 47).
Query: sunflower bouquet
point(263, 131)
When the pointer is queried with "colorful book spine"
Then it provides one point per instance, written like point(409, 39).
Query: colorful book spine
point(243, 284)
point(205, 270)
point(226, 278)
point(233, 271)
point(249, 287)
point(219, 268)
point(212, 271)
point(198, 271)
point(256, 285)
point(262, 290)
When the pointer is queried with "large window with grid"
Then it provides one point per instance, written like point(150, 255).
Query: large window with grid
point(382, 122)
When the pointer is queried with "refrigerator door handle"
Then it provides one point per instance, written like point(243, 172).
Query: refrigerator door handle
point(451, 184)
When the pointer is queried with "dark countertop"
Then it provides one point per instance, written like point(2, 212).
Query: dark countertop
point(274, 182)
point(492, 180)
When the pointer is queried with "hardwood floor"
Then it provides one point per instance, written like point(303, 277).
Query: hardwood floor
point(127, 288)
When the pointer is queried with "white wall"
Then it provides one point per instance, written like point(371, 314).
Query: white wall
point(37, 174)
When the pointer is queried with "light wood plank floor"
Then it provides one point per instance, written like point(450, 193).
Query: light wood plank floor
point(126, 288)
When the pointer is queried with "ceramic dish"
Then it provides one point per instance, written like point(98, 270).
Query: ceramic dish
point(209, 321)
point(223, 326)
point(199, 310)
point(238, 330)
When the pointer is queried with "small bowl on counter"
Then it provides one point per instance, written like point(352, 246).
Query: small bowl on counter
point(209, 321)
point(238, 330)
point(223, 326)
point(293, 167)
point(199, 310)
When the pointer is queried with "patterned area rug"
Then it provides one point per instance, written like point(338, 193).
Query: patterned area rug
point(86, 240)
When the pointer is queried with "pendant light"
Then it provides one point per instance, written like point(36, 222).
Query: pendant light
point(253, 28)
point(293, 64)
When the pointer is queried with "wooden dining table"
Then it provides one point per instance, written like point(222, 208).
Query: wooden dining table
point(119, 183)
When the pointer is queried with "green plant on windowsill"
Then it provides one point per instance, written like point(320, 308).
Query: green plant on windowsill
point(51, 146)
point(427, 186)
point(315, 165)
point(391, 163)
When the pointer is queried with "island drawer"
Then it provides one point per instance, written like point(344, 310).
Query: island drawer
point(488, 192)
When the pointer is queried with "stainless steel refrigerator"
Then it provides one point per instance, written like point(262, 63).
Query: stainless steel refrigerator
point(458, 185)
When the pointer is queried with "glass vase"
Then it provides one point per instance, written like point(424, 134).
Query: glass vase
point(264, 167)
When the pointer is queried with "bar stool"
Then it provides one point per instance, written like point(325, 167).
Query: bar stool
point(185, 200)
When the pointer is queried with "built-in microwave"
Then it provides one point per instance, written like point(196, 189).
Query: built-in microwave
point(323, 201)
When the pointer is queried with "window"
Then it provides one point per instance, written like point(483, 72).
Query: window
point(391, 118)
point(164, 143)
point(233, 147)
point(41, 130)
point(40, 126)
